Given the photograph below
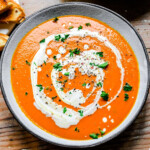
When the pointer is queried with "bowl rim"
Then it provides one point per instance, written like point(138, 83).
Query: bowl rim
point(128, 123)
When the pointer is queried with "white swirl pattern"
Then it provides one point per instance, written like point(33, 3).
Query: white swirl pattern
point(52, 109)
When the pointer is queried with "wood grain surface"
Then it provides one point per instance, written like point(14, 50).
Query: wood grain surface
point(137, 136)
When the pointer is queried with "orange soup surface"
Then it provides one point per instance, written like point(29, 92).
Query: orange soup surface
point(75, 77)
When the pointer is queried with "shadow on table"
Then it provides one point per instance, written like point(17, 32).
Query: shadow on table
point(130, 9)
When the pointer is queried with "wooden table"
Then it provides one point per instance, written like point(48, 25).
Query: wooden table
point(137, 136)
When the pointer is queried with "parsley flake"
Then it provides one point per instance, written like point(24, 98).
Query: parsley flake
point(40, 87)
point(84, 84)
point(126, 97)
point(26, 93)
point(81, 112)
point(76, 129)
point(54, 57)
point(55, 19)
point(94, 135)
point(99, 84)
point(42, 41)
point(71, 27)
point(103, 65)
point(28, 63)
point(100, 54)
point(64, 110)
point(127, 87)
point(104, 95)
point(88, 24)
point(57, 66)
point(57, 37)
point(80, 27)
point(66, 73)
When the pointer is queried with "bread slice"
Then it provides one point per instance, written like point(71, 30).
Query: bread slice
point(14, 14)
point(4, 5)
point(3, 40)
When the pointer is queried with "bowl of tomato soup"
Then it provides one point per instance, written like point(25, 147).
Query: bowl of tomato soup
point(75, 74)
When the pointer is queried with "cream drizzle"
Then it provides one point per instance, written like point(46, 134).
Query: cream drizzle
point(52, 109)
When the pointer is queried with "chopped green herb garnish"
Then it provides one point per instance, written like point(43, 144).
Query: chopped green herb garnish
point(47, 88)
point(44, 62)
point(66, 73)
point(127, 87)
point(34, 63)
point(59, 81)
point(84, 84)
point(81, 112)
point(70, 93)
point(40, 87)
point(64, 110)
point(102, 132)
point(54, 57)
point(28, 63)
point(80, 27)
point(57, 37)
point(104, 65)
point(54, 97)
point(57, 66)
point(126, 97)
point(100, 54)
point(88, 24)
point(76, 51)
point(70, 115)
point(64, 38)
point(26, 93)
point(47, 32)
point(42, 41)
point(104, 95)
point(71, 53)
point(65, 81)
point(59, 69)
point(76, 129)
point(13, 68)
point(94, 135)
point(61, 89)
point(55, 19)
point(71, 27)
point(93, 64)
point(99, 84)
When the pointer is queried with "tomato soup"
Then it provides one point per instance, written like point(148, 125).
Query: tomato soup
point(75, 77)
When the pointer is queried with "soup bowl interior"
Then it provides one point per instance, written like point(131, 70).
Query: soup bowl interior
point(85, 9)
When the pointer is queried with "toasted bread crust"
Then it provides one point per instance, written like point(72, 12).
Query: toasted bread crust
point(14, 14)
point(3, 40)
point(4, 6)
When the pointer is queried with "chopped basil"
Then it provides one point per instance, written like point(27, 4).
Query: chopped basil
point(65, 81)
point(80, 27)
point(76, 129)
point(84, 84)
point(64, 38)
point(26, 93)
point(104, 65)
point(127, 87)
point(42, 41)
point(54, 97)
point(126, 97)
point(57, 37)
point(44, 62)
point(81, 112)
point(88, 24)
point(61, 89)
point(102, 132)
point(64, 110)
point(71, 27)
point(54, 57)
point(47, 88)
point(28, 63)
point(55, 19)
point(94, 135)
point(71, 53)
point(13, 68)
point(104, 95)
point(57, 66)
point(40, 87)
point(66, 73)
point(99, 84)
point(100, 54)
